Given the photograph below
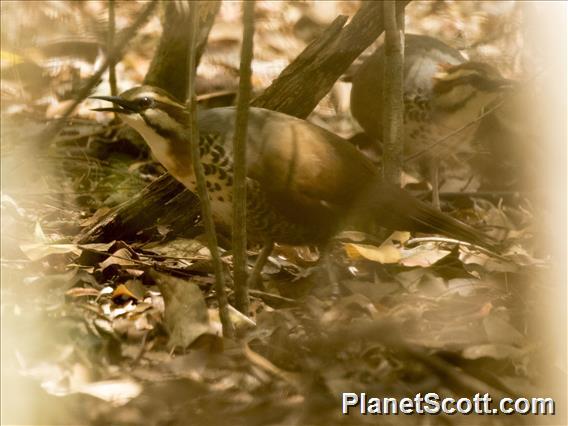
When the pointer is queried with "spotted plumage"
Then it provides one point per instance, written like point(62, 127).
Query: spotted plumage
point(442, 93)
point(264, 222)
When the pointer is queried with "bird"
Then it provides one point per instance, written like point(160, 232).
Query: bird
point(443, 95)
point(304, 183)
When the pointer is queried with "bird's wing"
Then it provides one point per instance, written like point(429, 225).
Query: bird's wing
point(289, 155)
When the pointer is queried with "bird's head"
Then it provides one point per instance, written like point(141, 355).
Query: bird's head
point(468, 89)
point(148, 106)
point(159, 118)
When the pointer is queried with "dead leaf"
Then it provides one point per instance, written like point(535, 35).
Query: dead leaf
point(185, 315)
point(239, 320)
point(432, 285)
point(124, 258)
point(521, 257)
point(383, 254)
point(423, 255)
point(122, 294)
point(82, 292)
point(489, 263)
point(182, 248)
point(399, 237)
point(36, 251)
point(375, 291)
point(499, 330)
point(117, 392)
point(410, 278)
point(495, 351)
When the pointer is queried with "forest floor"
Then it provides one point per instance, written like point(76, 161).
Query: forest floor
point(93, 334)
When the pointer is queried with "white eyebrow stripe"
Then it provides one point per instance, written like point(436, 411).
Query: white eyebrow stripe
point(158, 98)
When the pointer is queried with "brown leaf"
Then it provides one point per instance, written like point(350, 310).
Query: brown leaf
point(36, 251)
point(124, 259)
point(186, 315)
point(496, 351)
point(422, 255)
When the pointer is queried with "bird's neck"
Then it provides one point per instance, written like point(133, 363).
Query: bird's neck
point(462, 107)
point(171, 149)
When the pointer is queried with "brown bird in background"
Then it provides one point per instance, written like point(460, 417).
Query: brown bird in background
point(443, 93)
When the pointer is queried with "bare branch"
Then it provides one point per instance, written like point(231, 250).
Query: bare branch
point(239, 165)
point(393, 94)
point(311, 75)
point(207, 217)
point(110, 43)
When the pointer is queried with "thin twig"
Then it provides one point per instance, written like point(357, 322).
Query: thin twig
point(228, 330)
point(240, 165)
point(272, 297)
point(414, 241)
point(110, 45)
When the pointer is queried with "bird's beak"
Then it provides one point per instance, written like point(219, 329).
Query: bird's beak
point(122, 106)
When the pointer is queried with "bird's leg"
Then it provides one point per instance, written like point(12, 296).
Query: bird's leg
point(255, 278)
point(434, 171)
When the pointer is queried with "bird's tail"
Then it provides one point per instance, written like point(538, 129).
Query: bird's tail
point(394, 208)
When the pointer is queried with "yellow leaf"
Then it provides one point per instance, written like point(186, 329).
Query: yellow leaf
point(386, 253)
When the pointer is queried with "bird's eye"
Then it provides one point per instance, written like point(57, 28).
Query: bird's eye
point(145, 102)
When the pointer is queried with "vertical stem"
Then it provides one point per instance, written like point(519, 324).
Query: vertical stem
point(207, 218)
point(110, 46)
point(393, 118)
point(240, 166)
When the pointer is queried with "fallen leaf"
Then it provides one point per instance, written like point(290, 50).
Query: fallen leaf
point(122, 294)
point(489, 263)
point(499, 330)
point(82, 292)
point(383, 254)
point(422, 255)
point(239, 320)
point(36, 251)
point(123, 258)
point(431, 285)
point(495, 351)
point(185, 315)
point(117, 392)
point(181, 248)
